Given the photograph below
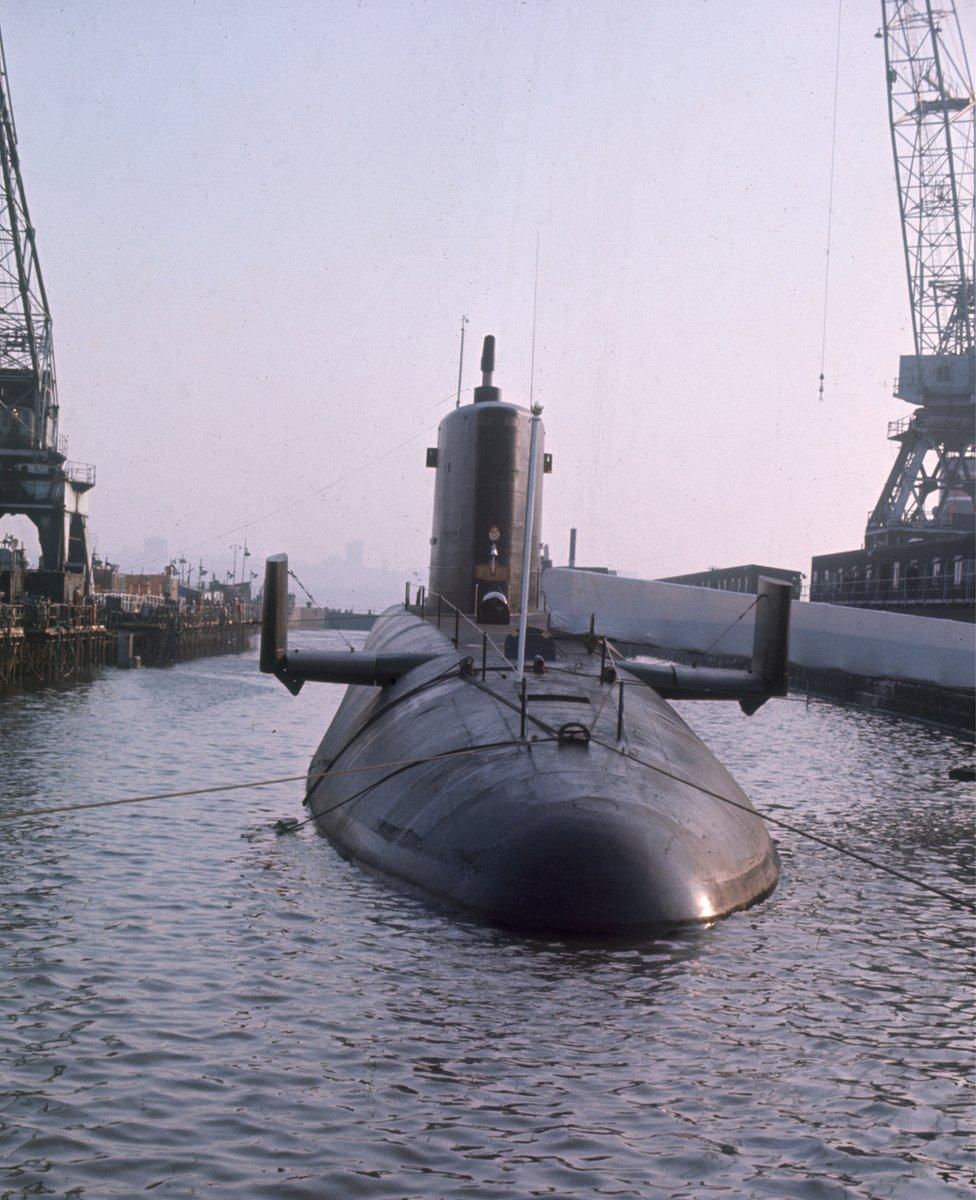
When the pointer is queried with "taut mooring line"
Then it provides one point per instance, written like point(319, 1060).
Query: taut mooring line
point(232, 787)
point(398, 765)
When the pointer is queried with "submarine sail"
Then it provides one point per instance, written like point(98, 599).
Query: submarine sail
point(563, 794)
point(479, 501)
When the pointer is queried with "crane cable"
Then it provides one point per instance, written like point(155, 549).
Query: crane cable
point(830, 202)
point(325, 612)
point(265, 516)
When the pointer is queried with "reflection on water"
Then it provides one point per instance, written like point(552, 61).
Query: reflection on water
point(195, 1006)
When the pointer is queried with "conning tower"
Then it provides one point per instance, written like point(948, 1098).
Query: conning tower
point(482, 464)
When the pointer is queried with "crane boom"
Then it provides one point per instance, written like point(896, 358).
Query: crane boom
point(35, 480)
point(932, 117)
point(933, 133)
point(28, 386)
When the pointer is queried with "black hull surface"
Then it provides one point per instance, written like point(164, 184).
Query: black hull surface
point(535, 833)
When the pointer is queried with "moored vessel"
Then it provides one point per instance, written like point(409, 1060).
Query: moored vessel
point(552, 790)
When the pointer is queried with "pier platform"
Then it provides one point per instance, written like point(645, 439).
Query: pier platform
point(160, 641)
point(50, 646)
point(42, 642)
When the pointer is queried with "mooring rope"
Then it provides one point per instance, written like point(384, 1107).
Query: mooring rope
point(960, 901)
point(407, 764)
point(709, 648)
point(400, 698)
point(325, 487)
point(394, 767)
point(13, 814)
point(324, 611)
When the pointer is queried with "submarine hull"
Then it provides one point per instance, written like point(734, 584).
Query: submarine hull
point(430, 781)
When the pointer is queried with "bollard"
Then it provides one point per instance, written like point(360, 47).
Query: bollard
point(484, 655)
point(524, 693)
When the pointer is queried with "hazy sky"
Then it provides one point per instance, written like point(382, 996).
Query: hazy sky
point(260, 225)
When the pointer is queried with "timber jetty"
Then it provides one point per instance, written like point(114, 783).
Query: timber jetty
point(43, 643)
point(158, 635)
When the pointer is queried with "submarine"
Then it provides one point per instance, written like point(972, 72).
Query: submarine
point(534, 781)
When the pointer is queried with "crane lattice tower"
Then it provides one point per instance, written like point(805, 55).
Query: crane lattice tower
point(35, 479)
point(930, 489)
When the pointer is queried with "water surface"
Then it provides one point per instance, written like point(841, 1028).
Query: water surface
point(192, 1006)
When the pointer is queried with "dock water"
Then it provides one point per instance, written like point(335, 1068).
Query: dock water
point(195, 1006)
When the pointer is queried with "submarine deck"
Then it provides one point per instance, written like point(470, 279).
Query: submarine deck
point(577, 800)
point(486, 643)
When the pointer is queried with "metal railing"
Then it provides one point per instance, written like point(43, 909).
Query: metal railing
point(37, 615)
point(110, 610)
point(83, 473)
point(121, 607)
point(936, 526)
point(423, 608)
point(941, 589)
point(897, 428)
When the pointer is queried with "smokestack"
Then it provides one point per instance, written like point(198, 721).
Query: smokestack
point(486, 391)
point(572, 547)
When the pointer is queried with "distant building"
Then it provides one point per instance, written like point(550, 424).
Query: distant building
point(354, 553)
point(738, 579)
point(164, 585)
point(930, 578)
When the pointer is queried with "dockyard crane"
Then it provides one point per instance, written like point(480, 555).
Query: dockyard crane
point(26, 344)
point(932, 115)
point(35, 479)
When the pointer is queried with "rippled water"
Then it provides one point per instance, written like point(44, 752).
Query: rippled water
point(196, 1007)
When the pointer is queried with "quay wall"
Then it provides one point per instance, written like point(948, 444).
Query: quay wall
point(824, 638)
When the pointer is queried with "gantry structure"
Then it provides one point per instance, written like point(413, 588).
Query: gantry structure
point(932, 115)
point(36, 480)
